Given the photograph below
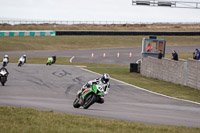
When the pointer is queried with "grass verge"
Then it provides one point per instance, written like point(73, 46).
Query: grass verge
point(25, 120)
point(122, 72)
point(85, 42)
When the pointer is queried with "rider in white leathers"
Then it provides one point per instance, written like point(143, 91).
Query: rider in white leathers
point(103, 82)
point(24, 56)
point(22, 60)
point(6, 57)
point(5, 60)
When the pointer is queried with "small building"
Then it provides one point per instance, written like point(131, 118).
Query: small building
point(151, 46)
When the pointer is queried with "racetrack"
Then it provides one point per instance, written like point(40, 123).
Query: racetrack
point(54, 88)
point(111, 54)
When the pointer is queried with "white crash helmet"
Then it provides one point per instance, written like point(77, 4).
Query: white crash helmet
point(24, 55)
point(6, 56)
point(105, 78)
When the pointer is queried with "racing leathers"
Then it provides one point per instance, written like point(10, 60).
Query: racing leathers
point(6, 58)
point(105, 86)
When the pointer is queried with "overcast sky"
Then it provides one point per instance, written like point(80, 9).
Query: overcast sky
point(94, 10)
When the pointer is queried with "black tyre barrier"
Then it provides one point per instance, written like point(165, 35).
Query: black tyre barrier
point(128, 33)
point(134, 67)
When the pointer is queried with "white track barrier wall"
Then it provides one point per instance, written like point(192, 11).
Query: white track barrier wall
point(179, 72)
point(27, 33)
point(163, 69)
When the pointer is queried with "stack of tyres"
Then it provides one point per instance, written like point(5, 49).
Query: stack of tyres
point(134, 67)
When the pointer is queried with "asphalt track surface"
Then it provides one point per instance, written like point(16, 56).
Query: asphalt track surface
point(54, 88)
point(111, 54)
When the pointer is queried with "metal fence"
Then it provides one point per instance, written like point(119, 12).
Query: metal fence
point(16, 22)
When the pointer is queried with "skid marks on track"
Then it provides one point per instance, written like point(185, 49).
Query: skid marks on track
point(77, 83)
point(61, 73)
point(38, 81)
point(21, 71)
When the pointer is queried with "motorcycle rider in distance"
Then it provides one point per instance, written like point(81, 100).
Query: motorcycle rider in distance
point(22, 60)
point(5, 58)
point(24, 56)
point(3, 75)
point(103, 82)
point(51, 60)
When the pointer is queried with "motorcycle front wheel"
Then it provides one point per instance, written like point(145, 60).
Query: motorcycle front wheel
point(3, 80)
point(4, 64)
point(76, 103)
point(89, 100)
point(20, 64)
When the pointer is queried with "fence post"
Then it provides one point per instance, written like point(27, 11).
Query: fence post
point(185, 73)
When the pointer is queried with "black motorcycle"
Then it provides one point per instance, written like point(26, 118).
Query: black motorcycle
point(3, 75)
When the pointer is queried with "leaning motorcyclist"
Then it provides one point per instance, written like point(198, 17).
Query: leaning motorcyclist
point(49, 61)
point(24, 56)
point(6, 56)
point(103, 82)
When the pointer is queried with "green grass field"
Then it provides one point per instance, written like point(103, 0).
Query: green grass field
point(85, 42)
point(23, 120)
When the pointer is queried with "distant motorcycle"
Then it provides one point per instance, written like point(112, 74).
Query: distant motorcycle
point(88, 97)
point(21, 61)
point(5, 62)
point(3, 76)
point(51, 60)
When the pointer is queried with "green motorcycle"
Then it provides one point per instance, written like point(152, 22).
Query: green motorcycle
point(88, 97)
point(51, 60)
